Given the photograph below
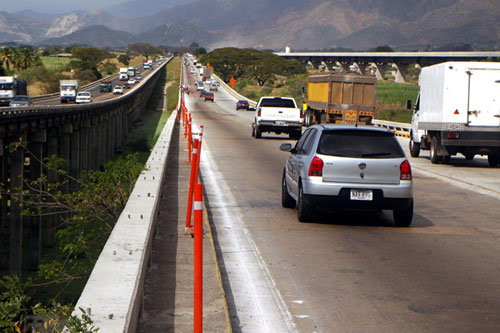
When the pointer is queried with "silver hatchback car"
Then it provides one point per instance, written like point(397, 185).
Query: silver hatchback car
point(348, 167)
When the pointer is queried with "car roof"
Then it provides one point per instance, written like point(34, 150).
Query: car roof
point(352, 126)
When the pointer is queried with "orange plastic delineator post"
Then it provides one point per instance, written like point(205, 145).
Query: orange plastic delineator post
point(189, 137)
point(198, 258)
point(200, 140)
point(192, 182)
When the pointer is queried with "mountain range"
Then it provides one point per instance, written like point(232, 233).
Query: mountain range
point(266, 24)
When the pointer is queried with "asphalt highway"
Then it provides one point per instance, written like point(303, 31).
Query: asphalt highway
point(348, 271)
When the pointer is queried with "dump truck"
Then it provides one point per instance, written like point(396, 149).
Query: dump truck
point(10, 87)
point(340, 99)
point(458, 111)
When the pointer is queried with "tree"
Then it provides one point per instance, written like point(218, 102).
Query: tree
point(248, 63)
point(26, 57)
point(124, 59)
point(144, 49)
point(90, 57)
point(8, 56)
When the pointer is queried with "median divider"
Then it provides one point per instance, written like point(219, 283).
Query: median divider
point(195, 209)
point(113, 294)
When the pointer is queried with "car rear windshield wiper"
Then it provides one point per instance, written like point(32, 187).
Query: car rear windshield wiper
point(375, 154)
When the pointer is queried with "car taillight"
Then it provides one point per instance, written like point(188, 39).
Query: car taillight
point(259, 112)
point(316, 167)
point(405, 169)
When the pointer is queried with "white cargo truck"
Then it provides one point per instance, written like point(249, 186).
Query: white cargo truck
point(123, 74)
point(458, 111)
point(68, 90)
point(10, 87)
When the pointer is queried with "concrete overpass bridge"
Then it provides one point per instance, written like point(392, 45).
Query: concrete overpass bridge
point(86, 136)
point(380, 61)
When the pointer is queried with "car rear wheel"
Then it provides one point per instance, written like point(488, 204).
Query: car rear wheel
point(304, 210)
point(286, 199)
point(403, 217)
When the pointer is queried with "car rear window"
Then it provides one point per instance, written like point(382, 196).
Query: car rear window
point(359, 144)
point(277, 102)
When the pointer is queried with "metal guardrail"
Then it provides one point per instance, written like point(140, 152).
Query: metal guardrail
point(232, 92)
point(401, 129)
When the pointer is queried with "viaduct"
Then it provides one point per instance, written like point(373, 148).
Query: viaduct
point(381, 60)
point(86, 136)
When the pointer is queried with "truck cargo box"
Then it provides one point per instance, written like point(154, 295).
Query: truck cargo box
point(342, 98)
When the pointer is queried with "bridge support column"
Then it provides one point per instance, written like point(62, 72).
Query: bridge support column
point(109, 138)
point(124, 124)
point(102, 141)
point(16, 221)
point(96, 143)
point(64, 150)
point(361, 67)
point(85, 143)
point(400, 73)
point(36, 143)
point(74, 162)
point(52, 147)
point(379, 70)
point(3, 207)
point(344, 66)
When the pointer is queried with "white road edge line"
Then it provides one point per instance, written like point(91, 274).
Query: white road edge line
point(258, 301)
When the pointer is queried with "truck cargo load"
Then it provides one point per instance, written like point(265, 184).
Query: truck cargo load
point(340, 98)
point(10, 87)
point(458, 111)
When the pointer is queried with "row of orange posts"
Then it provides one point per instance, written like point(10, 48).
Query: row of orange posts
point(196, 193)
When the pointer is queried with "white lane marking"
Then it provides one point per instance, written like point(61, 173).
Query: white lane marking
point(258, 302)
point(298, 302)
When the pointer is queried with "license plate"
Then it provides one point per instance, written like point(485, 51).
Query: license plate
point(364, 195)
point(281, 123)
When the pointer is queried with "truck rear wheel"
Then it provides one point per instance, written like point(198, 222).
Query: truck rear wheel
point(258, 133)
point(493, 160)
point(414, 148)
point(435, 159)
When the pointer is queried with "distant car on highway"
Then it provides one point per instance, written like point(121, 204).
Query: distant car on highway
point(126, 86)
point(208, 96)
point(347, 167)
point(83, 97)
point(242, 104)
point(131, 81)
point(139, 78)
point(20, 100)
point(118, 90)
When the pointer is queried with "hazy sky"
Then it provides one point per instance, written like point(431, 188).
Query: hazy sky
point(55, 6)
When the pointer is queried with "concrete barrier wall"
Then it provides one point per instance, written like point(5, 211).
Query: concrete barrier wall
point(113, 294)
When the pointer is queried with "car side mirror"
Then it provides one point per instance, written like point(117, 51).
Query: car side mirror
point(286, 147)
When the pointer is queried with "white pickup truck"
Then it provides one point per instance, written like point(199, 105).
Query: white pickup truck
point(278, 115)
